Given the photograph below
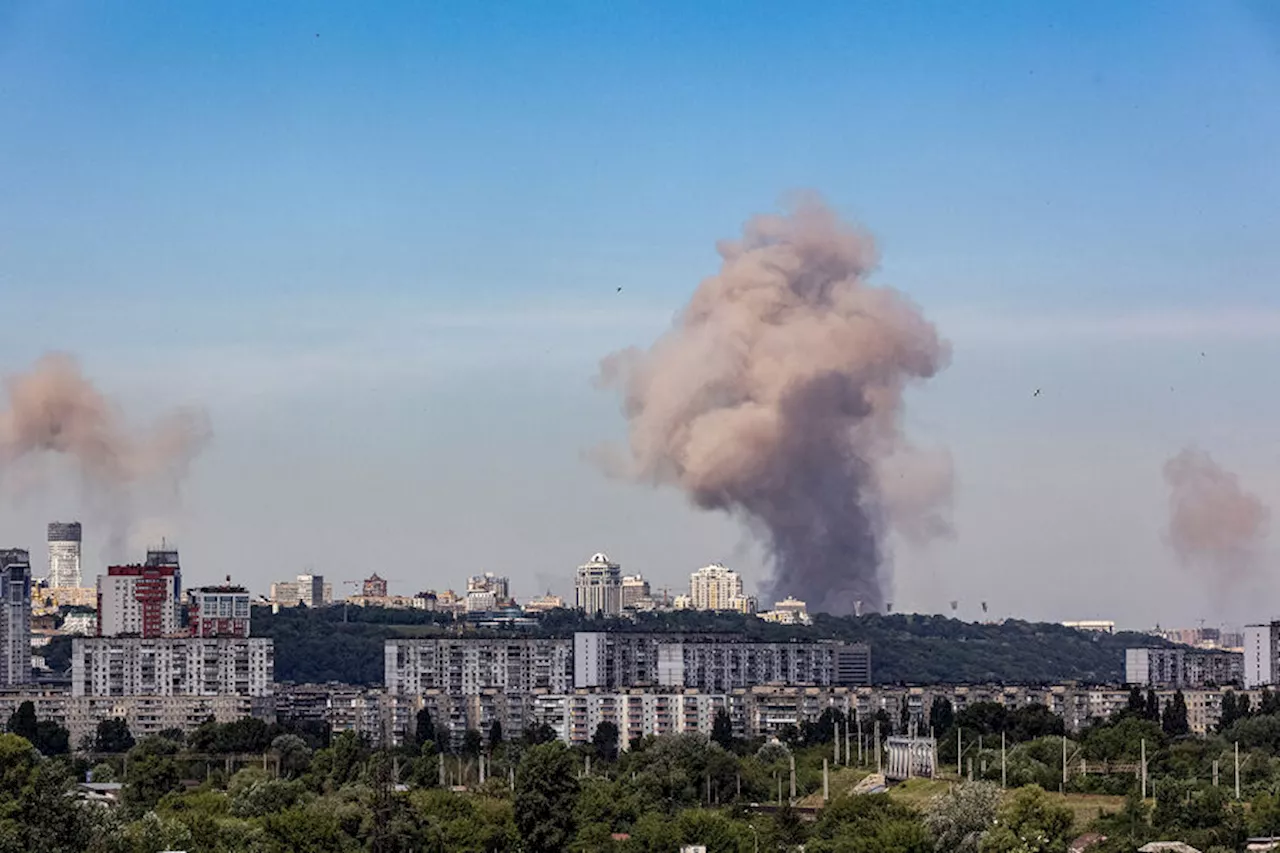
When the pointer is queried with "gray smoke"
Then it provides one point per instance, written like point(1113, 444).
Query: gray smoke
point(1214, 524)
point(777, 395)
point(53, 408)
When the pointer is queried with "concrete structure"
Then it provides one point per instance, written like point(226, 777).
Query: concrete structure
point(1261, 654)
point(64, 554)
point(788, 611)
point(468, 666)
point(1181, 667)
point(83, 624)
point(218, 611)
point(131, 666)
point(489, 582)
point(543, 603)
point(374, 587)
point(145, 715)
point(139, 600)
point(309, 590)
point(598, 586)
point(481, 601)
point(714, 587)
point(15, 617)
point(1104, 626)
point(634, 590)
point(711, 662)
point(376, 715)
point(908, 757)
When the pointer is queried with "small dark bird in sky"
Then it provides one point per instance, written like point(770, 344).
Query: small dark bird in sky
point(1037, 394)
point(1202, 355)
point(619, 289)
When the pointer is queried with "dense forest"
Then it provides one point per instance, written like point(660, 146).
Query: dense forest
point(345, 644)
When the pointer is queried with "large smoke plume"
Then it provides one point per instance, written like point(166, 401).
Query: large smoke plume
point(1214, 524)
point(777, 395)
point(54, 408)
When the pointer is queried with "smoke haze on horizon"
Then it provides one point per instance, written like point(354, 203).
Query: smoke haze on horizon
point(1216, 527)
point(777, 396)
point(54, 408)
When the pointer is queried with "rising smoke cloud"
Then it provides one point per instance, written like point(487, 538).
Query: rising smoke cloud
point(1215, 526)
point(54, 408)
point(777, 396)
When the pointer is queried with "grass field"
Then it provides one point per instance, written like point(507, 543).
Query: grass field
point(919, 792)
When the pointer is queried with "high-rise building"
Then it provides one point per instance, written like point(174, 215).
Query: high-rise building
point(218, 611)
point(138, 600)
point(15, 617)
point(1261, 655)
point(714, 587)
point(489, 582)
point(598, 586)
point(64, 554)
point(374, 587)
point(1178, 667)
point(174, 666)
point(634, 589)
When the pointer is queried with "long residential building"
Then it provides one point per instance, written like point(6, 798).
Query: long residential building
point(1180, 667)
point(195, 666)
point(755, 712)
point(467, 666)
point(145, 715)
point(616, 661)
point(712, 662)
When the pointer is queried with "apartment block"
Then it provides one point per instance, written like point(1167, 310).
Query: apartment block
point(145, 715)
point(712, 663)
point(468, 666)
point(139, 600)
point(1183, 667)
point(197, 666)
point(218, 611)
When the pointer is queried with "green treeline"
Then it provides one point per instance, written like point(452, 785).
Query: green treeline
point(345, 644)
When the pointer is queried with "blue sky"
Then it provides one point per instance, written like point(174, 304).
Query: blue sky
point(382, 245)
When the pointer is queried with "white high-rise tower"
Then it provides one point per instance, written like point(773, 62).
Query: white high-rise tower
point(64, 554)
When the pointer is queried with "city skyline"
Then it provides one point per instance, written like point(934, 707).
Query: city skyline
point(395, 333)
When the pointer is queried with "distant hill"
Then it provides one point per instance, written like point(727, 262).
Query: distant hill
point(316, 645)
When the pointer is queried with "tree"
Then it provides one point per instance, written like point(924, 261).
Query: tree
point(1137, 706)
point(293, 752)
point(904, 716)
point(113, 736)
point(545, 792)
point(1174, 721)
point(605, 741)
point(1229, 714)
point(472, 743)
point(958, 819)
point(1029, 822)
point(1152, 709)
point(22, 722)
point(152, 773)
point(941, 715)
point(52, 739)
point(722, 729)
point(495, 735)
point(424, 729)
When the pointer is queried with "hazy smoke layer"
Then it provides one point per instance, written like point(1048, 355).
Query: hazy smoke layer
point(1214, 524)
point(777, 395)
point(54, 408)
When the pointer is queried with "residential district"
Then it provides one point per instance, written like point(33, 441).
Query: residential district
point(161, 657)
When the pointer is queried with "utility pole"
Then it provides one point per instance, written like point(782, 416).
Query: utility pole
point(1237, 770)
point(1144, 768)
point(793, 777)
point(877, 746)
point(826, 782)
point(959, 751)
point(1215, 773)
point(1004, 775)
point(858, 724)
point(835, 741)
point(1064, 764)
point(846, 739)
